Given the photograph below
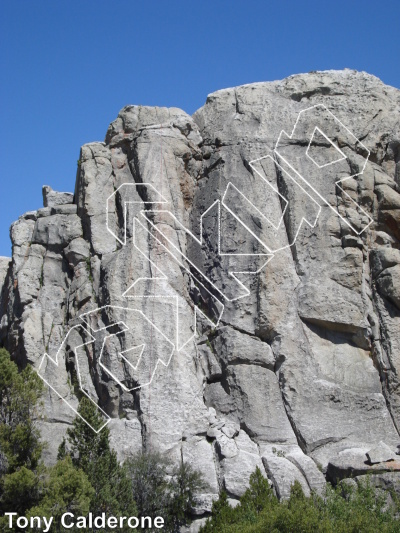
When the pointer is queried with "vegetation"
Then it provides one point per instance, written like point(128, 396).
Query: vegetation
point(184, 485)
point(91, 452)
point(88, 477)
point(19, 402)
point(65, 489)
point(158, 494)
point(343, 510)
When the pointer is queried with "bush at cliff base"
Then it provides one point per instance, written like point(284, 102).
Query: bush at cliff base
point(344, 509)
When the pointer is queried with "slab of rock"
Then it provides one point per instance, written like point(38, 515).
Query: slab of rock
point(57, 231)
point(21, 231)
point(126, 437)
point(199, 453)
point(345, 306)
point(30, 215)
point(383, 258)
point(315, 478)
point(77, 251)
point(237, 470)
point(389, 284)
point(259, 404)
point(244, 443)
point(225, 446)
point(67, 209)
point(211, 367)
point(216, 396)
point(230, 429)
point(234, 347)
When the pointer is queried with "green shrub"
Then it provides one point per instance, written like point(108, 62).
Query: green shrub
point(342, 510)
point(158, 494)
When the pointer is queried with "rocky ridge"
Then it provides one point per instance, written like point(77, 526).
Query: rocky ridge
point(300, 376)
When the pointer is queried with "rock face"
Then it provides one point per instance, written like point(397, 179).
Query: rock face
point(296, 365)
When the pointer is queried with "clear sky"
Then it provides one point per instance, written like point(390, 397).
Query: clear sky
point(68, 67)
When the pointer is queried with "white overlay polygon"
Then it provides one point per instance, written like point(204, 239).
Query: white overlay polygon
point(339, 151)
point(143, 221)
point(304, 180)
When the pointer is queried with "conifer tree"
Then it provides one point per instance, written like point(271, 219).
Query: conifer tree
point(19, 405)
point(185, 483)
point(20, 445)
point(67, 489)
point(91, 452)
point(160, 489)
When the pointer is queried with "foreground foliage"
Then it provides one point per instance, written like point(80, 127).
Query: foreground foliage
point(343, 510)
point(19, 398)
point(160, 489)
point(91, 452)
point(65, 489)
point(87, 476)
point(27, 487)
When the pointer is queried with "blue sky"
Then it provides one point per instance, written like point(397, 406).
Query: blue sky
point(68, 67)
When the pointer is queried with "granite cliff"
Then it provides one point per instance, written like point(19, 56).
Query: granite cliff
point(270, 222)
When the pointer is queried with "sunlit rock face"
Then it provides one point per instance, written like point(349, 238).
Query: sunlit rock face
point(268, 222)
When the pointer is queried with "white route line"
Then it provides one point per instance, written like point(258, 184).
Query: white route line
point(126, 203)
point(126, 328)
point(256, 209)
point(55, 361)
point(331, 143)
point(303, 219)
point(357, 141)
point(161, 277)
point(200, 242)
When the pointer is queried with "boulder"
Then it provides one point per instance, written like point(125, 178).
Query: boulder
point(315, 478)
point(77, 251)
point(380, 453)
point(237, 470)
point(57, 231)
point(53, 198)
point(353, 462)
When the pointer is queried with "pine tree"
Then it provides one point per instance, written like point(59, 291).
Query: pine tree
point(91, 452)
point(21, 490)
point(148, 475)
point(185, 483)
point(19, 405)
point(20, 445)
point(67, 489)
point(158, 494)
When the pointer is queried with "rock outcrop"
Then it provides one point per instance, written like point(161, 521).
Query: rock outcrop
point(296, 365)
